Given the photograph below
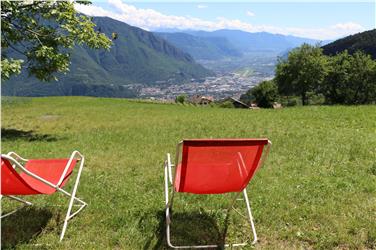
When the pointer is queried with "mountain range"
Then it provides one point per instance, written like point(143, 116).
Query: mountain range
point(202, 47)
point(212, 45)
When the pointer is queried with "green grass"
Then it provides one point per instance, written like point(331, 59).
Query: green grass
point(316, 190)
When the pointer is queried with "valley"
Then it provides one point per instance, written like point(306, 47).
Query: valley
point(222, 86)
point(234, 76)
point(163, 65)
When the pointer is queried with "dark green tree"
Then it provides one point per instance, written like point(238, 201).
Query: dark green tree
point(350, 79)
point(41, 34)
point(181, 99)
point(265, 94)
point(363, 87)
point(303, 71)
point(336, 83)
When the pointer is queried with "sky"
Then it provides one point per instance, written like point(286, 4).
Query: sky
point(320, 19)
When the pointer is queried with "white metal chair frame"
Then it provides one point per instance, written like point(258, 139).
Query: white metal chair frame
point(11, 156)
point(168, 202)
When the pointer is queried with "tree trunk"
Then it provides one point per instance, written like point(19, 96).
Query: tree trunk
point(304, 99)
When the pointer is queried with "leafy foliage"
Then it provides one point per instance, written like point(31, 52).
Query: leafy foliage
point(226, 104)
point(10, 67)
point(341, 79)
point(43, 32)
point(303, 70)
point(264, 94)
point(351, 79)
point(181, 99)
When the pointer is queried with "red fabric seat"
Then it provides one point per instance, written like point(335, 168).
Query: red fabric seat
point(43, 176)
point(13, 183)
point(217, 166)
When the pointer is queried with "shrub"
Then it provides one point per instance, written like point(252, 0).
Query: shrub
point(265, 94)
point(227, 104)
point(315, 99)
point(292, 102)
point(181, 99)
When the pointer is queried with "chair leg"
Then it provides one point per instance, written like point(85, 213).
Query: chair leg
point(26, 203)
point(72, 200)
point(168, 223)
point(168, 204)
point(250, 216)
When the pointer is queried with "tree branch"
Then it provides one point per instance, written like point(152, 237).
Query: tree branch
point(10, 45)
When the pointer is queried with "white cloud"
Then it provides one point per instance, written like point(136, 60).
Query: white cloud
point(200, 6)
point(347, 26)
point(150, 19)
point(332, 32)
point(250, 13)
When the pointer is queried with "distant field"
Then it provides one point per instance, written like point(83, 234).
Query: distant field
point(316, 190)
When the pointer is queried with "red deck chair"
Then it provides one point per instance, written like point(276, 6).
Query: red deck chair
point(45, 176)
point(214, 166)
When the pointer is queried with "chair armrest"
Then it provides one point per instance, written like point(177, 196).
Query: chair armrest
point(169, 165)
point(16, 156)
point(79, 157)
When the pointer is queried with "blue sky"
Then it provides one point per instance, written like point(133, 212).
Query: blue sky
point(320, 20)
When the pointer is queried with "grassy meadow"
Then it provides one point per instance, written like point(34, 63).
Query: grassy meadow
point(316, 190)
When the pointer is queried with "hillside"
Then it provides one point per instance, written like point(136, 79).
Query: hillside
point(136, 56)
point(316, 190)
point(364, 41)
point(201, 48)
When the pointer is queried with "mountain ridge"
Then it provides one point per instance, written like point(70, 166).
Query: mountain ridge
point(245, 41)
point(201, 48)
point(227, 43)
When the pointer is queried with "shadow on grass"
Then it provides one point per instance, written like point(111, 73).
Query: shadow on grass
point(14, 134)
point(189, 228)
point(22, 226)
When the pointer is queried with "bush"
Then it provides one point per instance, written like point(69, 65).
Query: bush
point(265, 94)
point(315, 99)
point(181, 99)
point(227, 104)
point(291, 102)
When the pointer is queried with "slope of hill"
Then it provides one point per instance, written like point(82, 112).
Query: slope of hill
point(364, 41)
point(136, 56)
point(201, 48)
